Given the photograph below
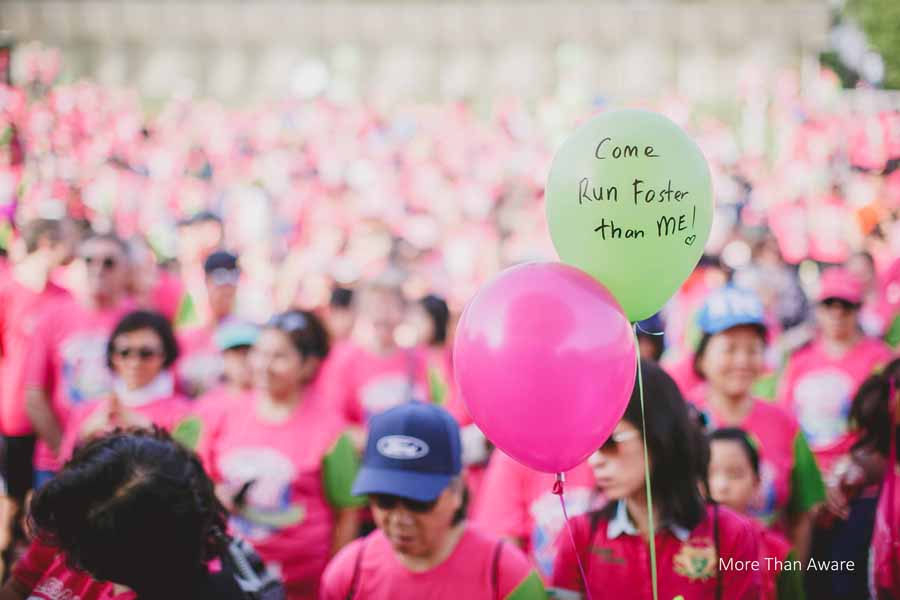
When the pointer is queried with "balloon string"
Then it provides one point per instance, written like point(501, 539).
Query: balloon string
point(650, 524)
point(558, 490)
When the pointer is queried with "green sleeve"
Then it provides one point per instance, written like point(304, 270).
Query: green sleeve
point(807, 487)
point(531, 588)
point(437, 387)
point(187, 432)
point(187, 313)
point(766, 387)
point(339, 468)
point(789, 584)
point(892, 337)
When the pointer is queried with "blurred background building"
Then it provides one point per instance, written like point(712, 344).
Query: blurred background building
point(424, 50)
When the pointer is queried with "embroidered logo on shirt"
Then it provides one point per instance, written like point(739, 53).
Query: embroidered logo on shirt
point(696, 560)
point(402, 447)
point(54, 589)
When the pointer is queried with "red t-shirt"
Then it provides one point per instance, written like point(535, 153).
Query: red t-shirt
point(466, 573)
point(67, 358)
point(818, 389)
point(518, 503)
point(20, 310)
point(43, 570)
point(287, 516)
point(617, 563)
point(362, 384)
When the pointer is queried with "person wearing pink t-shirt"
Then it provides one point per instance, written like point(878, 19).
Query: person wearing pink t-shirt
point(43, 574)
point(730, 357)
point(423, 547)
point(734, 480)
point(141, 351)
point(281, 461)
point(67, 352)
point(201, 366)
point(234, 340)
point(820, 379)
point(694, 540)
point(518, 504)
point(24, 296)
point(373, 373)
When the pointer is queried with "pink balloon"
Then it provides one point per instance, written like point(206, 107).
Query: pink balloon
point(545, 362)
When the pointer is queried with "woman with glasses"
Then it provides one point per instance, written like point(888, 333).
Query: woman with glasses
point(730, 359)
point(423, 547)
point(702, 551)
point(821, 378)
point(140, 354)
point(280, 459)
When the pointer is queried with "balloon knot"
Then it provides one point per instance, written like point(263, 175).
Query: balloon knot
point(558, 485)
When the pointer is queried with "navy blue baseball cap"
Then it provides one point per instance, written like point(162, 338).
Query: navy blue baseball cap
point(413, 451)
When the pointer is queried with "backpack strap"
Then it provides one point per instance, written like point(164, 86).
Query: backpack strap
point(357, 570)
point(495, 569)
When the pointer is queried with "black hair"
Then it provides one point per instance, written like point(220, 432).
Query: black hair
point(145, 319)
point(657, 341)
point(462, 512)
point(133, 507)
point(676, 446)
point(736, 434)
point(108, 237)
point(341, 297)
point(704, 343)
point(306, 331)
point(870, 412)
point(437, 309)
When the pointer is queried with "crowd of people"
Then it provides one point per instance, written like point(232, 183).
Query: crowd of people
point(220, 327)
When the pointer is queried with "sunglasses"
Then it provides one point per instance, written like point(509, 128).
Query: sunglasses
point(108, 263)
point(611, 445)
point(839, 303)
point(389, 502)
point(289, 322)
point(143, 353)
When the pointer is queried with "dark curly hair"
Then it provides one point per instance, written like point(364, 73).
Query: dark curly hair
point(133, 507)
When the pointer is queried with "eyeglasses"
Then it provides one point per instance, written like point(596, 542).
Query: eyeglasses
point(108, 263)
point(611, 445)
point(389, 502)
point(143, 353)
point(839, 303)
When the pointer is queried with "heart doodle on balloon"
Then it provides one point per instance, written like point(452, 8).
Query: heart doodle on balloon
point(689, 241)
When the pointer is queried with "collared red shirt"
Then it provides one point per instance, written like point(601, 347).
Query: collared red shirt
point(617, 559)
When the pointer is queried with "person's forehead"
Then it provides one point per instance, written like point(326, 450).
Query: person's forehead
point(98, 246)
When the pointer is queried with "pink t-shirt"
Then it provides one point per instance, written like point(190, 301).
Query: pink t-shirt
point(772, 545)
point(167, 294)
point(466, 573)
point(819, 390)
point(362, 384)
point(67, 358)
point(518, 503)
point(287, 516)
point(20, 309)
point(682, 371)
point(776, 432)
point(617, 564)
point(43, 570)
point(201, 364)
point(166, 412)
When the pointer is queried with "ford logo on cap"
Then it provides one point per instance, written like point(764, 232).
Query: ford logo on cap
point(402, 447)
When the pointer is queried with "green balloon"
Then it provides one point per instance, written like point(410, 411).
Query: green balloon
point(629, 200)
